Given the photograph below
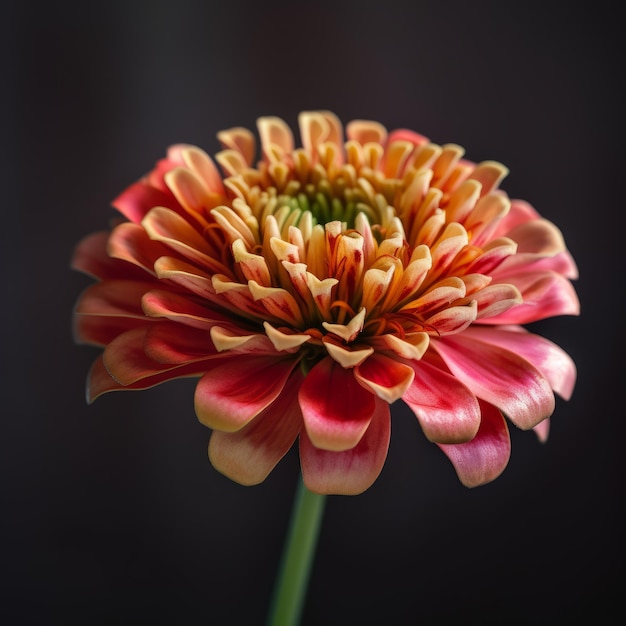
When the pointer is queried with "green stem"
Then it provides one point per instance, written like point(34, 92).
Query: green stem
point(299, 551)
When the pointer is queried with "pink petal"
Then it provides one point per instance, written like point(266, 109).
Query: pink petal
point(235, 390)
point(241, 140)
point(498, 376)
point(250, 454)
point(337, 410)
point(385, 377)
point(403, 134)
point(561, 263)
point(545, 294)
point(551, 360)
point(519, 213)
point(542, 430)
point(484, 458)
point(447, 410)
point(352, 471)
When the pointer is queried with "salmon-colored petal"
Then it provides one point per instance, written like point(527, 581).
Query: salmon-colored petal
point(174, 231)
point(336, 408)
point(274, 133)
point(91, 257)
point(519, 213)
point(120, 298)
point(99, 381)
point(551, 360)
point(484, 458)
point(130, 242)
point(241, 140)
point(250, 454)
point(349, 472)
point(366, 131)
point(489, 174)
point(126, 360)
point(447, 410)
point(233, 391)
point(499, 377)
point(136, 201)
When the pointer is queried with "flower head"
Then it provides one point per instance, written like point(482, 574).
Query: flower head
point(312, 289)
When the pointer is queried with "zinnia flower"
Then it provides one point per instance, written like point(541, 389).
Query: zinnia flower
point(311, 290)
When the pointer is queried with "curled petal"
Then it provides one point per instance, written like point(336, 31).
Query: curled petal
point(489, 174)
point(484, 458)
point(250, 454)
point(365, 131)
point(499, 377)
point(274, 133)
point(191, 192)
point(289, 342)
point(348, 331)
point(412, 346)
point(234, 391)
point(384, 376)
point(454, 319)
point(240, 140)
point(496, 299)
point(347, 357)
point(352, 471)
point(168, 227)
point(337, 410)
point(519, 213)
point(201, 164)
point(234, 341)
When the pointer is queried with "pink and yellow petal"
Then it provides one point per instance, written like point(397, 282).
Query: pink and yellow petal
point(336, 409)
point(250, 454)
point(352, 471)
point(447, 410)
point(233, 391)
point(485, 457)
point(385, 377)
point(551, 360)
point(499, 377)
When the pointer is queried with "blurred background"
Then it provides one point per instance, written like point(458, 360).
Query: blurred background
point(111, 513)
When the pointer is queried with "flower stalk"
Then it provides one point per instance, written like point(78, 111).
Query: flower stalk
point(297, 559)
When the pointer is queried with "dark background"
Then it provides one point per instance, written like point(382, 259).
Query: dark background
point(111, 513)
